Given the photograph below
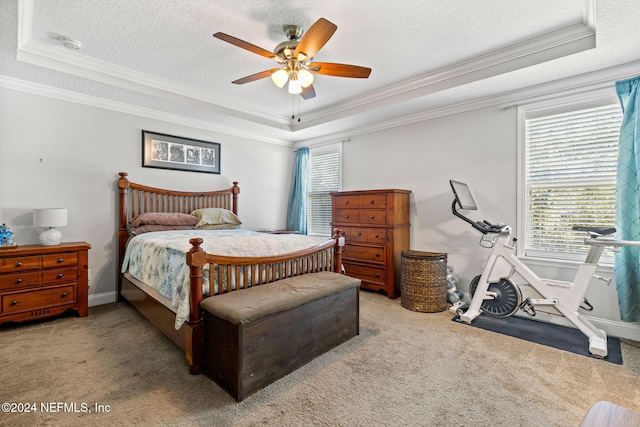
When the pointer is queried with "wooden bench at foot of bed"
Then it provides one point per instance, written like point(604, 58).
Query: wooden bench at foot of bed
point(258, 335)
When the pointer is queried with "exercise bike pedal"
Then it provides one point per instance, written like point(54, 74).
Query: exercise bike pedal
point(528, 308)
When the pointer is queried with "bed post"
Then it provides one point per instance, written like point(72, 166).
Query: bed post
point(123, 234)
point(339, 248)
point(235, 190)
point(196, 259)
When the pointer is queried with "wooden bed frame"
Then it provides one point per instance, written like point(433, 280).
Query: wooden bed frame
point(135, 199)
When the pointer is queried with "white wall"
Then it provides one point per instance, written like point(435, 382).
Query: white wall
point(56, 153)
point(477, 147)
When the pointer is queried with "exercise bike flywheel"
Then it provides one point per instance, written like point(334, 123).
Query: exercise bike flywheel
point(507, 301)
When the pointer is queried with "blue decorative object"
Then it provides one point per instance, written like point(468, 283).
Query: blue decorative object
point(6, 241)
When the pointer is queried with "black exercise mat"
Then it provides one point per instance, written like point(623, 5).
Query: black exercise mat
point(557, 336)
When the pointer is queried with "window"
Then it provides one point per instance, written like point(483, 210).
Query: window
point(324, 177)
point(570, 162)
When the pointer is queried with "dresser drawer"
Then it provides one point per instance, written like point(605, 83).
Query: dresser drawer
point(374, 201)
point(31, 300)
point(376, 235)
point(13, 264)
point(358, 235)
point(60, 275)
point(365, 253)
point(18, 280)
point(341, 202)
point(373, 275)
point(60, 260)
point(373, 216)
point(346, 216)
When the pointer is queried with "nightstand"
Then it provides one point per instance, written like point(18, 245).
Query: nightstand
point(42, 281)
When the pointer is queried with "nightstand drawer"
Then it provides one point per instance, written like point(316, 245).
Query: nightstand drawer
point(60, 275)
point(13, 264)
point(37, 299)
point(60, 260)
point(364, 253)
point(18, 280)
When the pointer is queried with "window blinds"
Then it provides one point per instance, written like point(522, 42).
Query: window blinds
point(324, 177)
point(571, 162)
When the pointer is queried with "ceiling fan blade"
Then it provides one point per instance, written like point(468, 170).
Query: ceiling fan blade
point(308, 92)
point(256, 76)
point(340, 70)
point(248, 46)
point(313, 40)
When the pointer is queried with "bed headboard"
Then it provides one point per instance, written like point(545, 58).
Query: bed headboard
point(135, 199)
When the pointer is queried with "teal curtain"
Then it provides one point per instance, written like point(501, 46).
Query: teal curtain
point(297, 208)
point(627, 261)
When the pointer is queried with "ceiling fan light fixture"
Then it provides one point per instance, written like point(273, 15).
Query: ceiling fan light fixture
point(280, 77)
point(294, 86)
point(305, 78)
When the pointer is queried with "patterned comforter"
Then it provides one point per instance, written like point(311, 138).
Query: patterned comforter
point(158, 258)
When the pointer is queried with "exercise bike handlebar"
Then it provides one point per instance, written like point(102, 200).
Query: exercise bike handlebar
point(482, 226)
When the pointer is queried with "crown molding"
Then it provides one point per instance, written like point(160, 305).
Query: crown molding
point(586, 85)
point(570, 40)
point(575, 38)
point(121, 107)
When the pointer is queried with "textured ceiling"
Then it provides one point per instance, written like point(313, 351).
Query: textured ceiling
point(425, 54)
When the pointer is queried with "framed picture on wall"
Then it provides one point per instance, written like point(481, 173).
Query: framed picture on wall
point(174, 152)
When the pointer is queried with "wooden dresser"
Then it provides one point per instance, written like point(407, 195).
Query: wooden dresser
point(41, 281)
point(376, 227)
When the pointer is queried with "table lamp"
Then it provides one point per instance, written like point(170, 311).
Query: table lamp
point(50, 218)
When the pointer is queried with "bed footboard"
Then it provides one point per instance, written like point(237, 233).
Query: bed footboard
point(227, 273)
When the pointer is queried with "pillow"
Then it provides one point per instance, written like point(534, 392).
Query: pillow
point(154, 227)
point(215, 216)
point(218, 227)
point(163, 218)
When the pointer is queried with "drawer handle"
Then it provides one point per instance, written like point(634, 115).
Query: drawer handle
point(371, 217)
point(377, 275)
point(18, 281)
point(377, 255)
point(60, 276)
point(346, 216)
point(359, 234)
point(14, 302)
point(18, 264)
point(60, 260)
point(64, 294)
point(346, 202)
point(371, 202)
point(377, 235)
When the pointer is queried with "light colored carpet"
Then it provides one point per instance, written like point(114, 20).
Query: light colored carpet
point(405, 368)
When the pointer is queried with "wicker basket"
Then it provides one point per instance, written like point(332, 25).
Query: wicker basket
point(424, 281)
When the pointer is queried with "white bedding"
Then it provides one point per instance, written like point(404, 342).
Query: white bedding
point(158, 258)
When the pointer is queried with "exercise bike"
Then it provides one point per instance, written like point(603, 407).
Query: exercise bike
point(494, 293)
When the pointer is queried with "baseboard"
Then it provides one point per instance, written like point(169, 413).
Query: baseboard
point(103, 298)
point(614, 328)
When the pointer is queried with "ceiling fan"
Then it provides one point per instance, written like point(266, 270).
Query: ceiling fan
point(295, 58)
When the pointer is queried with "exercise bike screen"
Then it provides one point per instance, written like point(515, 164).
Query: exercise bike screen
point(463, 195)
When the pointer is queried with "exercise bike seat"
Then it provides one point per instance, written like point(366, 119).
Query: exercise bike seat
point(595, 231)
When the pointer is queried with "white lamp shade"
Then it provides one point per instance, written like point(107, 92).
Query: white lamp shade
point(50, 217)
point(295, 87)
point(305, 77)
point(280, 77)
